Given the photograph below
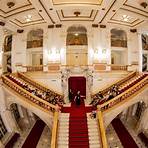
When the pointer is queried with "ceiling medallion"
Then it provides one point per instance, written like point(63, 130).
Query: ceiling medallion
point(144, 4)
point(77, 13)
point(10, 4)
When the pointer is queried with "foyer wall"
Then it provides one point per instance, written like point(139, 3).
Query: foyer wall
point(54, 39)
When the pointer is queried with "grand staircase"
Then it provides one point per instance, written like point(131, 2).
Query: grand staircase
point(66, 133)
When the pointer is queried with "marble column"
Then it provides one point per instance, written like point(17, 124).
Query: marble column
point(143, 121)
point(140, 52)
point(1, 47)
point(9, 121)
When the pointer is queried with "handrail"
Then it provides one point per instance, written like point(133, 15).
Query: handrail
point(36, 100)
point(102, 129)
point(38, 85)
point(54, 130)
point(118, 67)
point(118, 82)
point(34, 68)
point(128, 93)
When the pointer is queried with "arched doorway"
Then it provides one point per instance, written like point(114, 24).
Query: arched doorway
point(77, 84)
point(76, 46)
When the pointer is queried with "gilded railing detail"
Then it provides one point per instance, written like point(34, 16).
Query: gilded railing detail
point(38, 85)
point(54, 130)
point(129, 93)
point(36, 100)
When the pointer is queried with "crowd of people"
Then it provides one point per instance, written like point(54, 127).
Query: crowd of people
point(48, 96)
point(99, 98)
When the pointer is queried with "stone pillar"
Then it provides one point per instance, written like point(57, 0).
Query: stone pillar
point(129, 113)
point(134, 109)
point(20, 111)
point(25, 114)
point(31, 116)
point(140, 52)
point(142, 125)
point(9, 121)
point(1, 47)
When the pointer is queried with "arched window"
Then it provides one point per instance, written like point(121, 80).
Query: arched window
point(118, 38)
point(35, 38)
point(76, 35)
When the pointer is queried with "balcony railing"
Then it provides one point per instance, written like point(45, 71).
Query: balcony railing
point(44, 105)
point(118, 67)
point(34, 68)
point(38, 85)
point(118, 82)
point(125, 96)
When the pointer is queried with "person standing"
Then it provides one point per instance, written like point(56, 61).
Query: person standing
point(78, 98)
point(70, 95)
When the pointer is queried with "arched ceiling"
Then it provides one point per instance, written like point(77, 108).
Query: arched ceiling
point(30, 12)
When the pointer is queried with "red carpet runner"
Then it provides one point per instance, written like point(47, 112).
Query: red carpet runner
point(34, 136)
point(78, 130)
point(124, 136)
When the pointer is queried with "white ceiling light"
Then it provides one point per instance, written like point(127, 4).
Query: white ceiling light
point(125, 18)
point(28, 18)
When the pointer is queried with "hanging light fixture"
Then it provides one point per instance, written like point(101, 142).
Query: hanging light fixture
point(10, 3)
point(143, 3)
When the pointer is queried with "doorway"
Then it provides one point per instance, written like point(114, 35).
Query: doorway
point(77, 84)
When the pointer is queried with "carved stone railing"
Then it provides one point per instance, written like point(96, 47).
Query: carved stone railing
point(29, 96)
point(118, 82)
point(34, 68)
point(118, 67)
point(54, 130)
point(38, 85)
point(125, 96)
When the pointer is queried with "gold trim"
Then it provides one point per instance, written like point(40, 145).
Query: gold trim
point(26, 25)
point(76, 3)
point(125, 4)
point(126, 24)
point(19, 12)
point(77, 17)
point(17, 8)
point(46, 11)
point(134, 12)
point(28, 22)
point(108, 11)
point(123, 21)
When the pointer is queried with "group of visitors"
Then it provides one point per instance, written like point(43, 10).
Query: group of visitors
point(45, 95)
point(99, 98)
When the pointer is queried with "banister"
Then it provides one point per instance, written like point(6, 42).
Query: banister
point(102, 129)
point(42, 103)
point(118, 82)
point(126, 94)
point(54, 130)
point(34, 68)
point(38, 84)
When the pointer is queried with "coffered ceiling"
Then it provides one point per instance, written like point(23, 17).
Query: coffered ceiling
point(23, 13)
